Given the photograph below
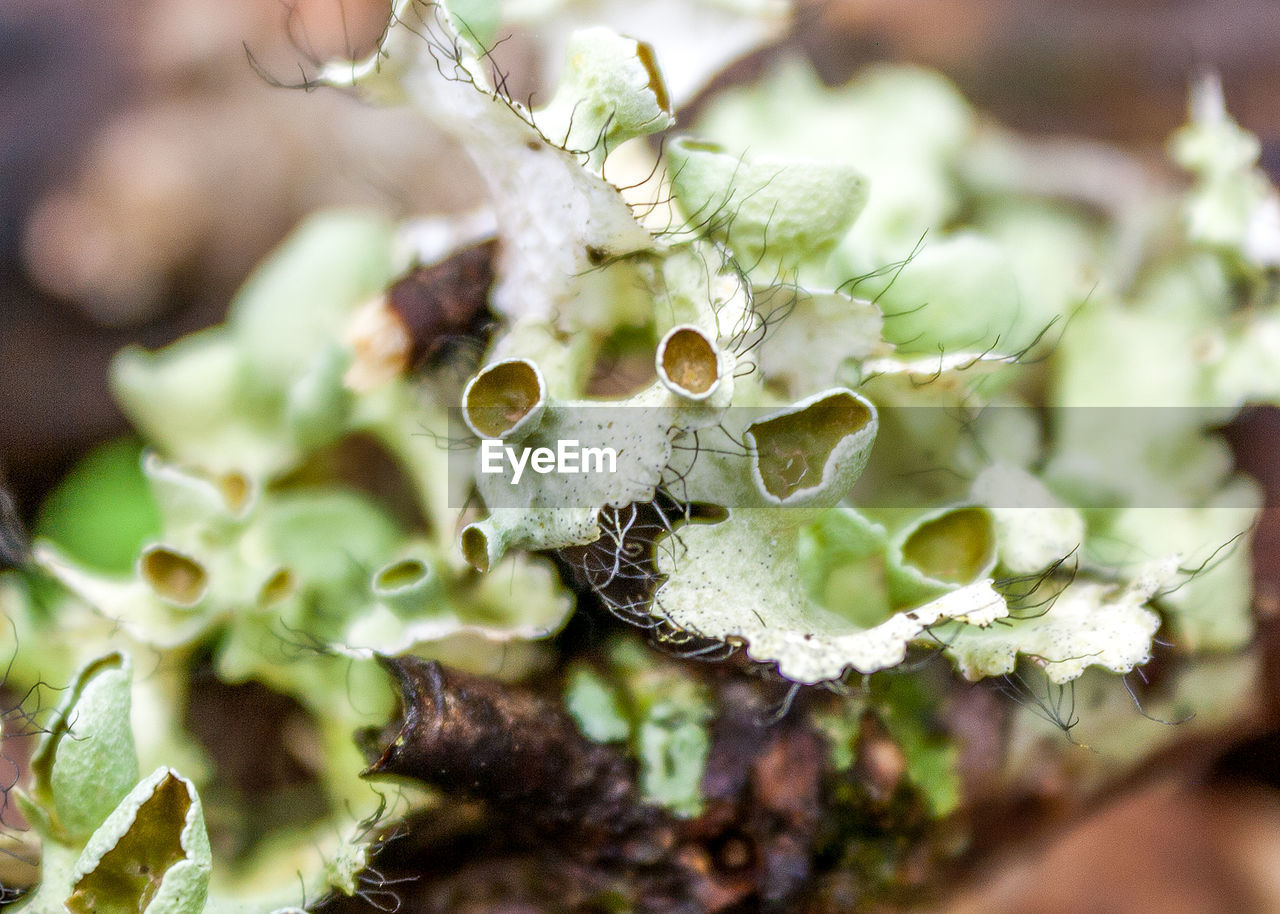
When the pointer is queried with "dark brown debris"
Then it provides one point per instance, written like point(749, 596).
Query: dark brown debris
point(524, 755)
point(444, 303)
point(561, 823)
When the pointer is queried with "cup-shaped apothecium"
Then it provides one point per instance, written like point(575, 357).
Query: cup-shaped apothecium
point(160, 825)
point(505, 399)
point(689, 363)
point(810, 453)
point(483, 543)
point(407, 585)
point(938, 551)
point(176, 578)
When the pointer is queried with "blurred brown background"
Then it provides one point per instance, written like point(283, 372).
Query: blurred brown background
point(147, 165)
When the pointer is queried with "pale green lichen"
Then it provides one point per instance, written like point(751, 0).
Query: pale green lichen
point(218, 559)
point(939, 551)
point(1072, 626)
point(792, 208)
point(610, 91)
point(564, 214)
point(957, 294)
point(738, 581)
point(595, 707)
point(542, 510)
point(660, 712)
point(1034, 530)
point(424, 610)
point(1209, 602)
point(117, 843)
point(506, 399)
point(694, 41)
point(256, 394)
point(841, 382)
point(150, 855)
point(1232, 206)
point(902, 127)
point(86, 762)
point(820, 339)
point(810, 453)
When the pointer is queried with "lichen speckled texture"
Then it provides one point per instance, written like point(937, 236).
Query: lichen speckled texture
point(160, 824)
point(1085, 624)
point(738, 581)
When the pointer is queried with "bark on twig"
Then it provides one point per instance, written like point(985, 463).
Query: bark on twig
point(525, 756)
point(565, 810)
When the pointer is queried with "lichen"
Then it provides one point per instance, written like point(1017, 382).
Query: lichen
point(888, 402)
